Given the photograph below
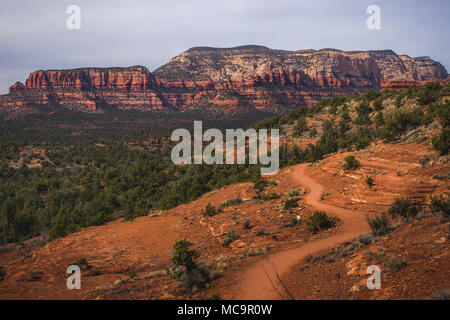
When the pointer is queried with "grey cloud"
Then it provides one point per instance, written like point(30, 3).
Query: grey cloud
point(33, 34)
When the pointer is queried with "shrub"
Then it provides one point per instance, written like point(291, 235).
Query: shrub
point(363, 119)
point(344, 123)
point(294, 193)
point(328, 142)
point(399, 100)
point(428, 93)
point(271, 196)
point(369, 181)
point(191, 276)
point(333, 110)
point(176, 273)
point(214, 296)
point(371, 95)
point(320, 221)
point(378, 104)
point(300, 127)
point(363, 108)
point(362, 139)
point(231, 202)
point(229, 238)
point(289, 203)
point(351, 163)
point(268, 123)
point(274, 195)
point(379, 224)
point(395, 264)
point(2, 273)
point(336, 101)
point(366, 239)
point(442, 112)
point(260, 185)
point(195, 279)
point(209, 210)
point(297, 113)
point(82, 264)
point(440, 205)
point(246, 224)
point(182, 256)
point(291, 156)
point(400, 122)
point(132, 213)
point(379, 119)
point(441, 142)
point(133, 275)
point(403, 208)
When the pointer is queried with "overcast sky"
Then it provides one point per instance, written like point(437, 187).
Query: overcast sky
point(33, 34)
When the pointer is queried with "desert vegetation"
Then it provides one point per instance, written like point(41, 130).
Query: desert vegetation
point(350, 163)
point(84, 181)
point(2, 272)
point(85, 184)
point(319, 220)
point(379, 224)
point(403, 208)
point(356, 121)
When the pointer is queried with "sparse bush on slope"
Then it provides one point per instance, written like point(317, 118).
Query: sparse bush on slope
point(379, 224)
point(210, 210)
point(442, 206)
point(319, 220)
point(441, 142)
point(403, 208)
point(229, 238)
point(400, 122)
point(369, 181)
point(350, 163)
point(190, 276)
point(2, 273)
point(300, 127)
point(427, 93)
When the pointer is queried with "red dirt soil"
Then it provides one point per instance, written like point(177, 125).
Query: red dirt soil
point(144, 246)
point(259, 280)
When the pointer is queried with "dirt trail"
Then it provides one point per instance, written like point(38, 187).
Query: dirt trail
point(261, 280)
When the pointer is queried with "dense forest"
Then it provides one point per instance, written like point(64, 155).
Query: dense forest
point(85, 184)
point(55, 182)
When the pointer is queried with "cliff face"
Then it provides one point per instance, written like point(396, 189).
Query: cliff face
point(233, 80)
point(85, 88)
point(274, 80)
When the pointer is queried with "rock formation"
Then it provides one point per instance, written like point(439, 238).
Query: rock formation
point(220, 81)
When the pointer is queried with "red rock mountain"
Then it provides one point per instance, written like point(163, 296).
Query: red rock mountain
point(220, 81)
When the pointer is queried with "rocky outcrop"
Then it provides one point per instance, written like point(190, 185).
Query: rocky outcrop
point(86, 89)
point(275, 80)
point(17, 87)
point(232, 80)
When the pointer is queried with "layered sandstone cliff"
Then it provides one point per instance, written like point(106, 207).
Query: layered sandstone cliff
point(85, 88)
point(232, 80)
point(274, 80)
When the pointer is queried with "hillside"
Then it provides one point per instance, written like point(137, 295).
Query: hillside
point(263, 238)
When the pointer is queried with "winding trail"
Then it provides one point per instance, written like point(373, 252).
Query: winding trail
point(261, 280)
